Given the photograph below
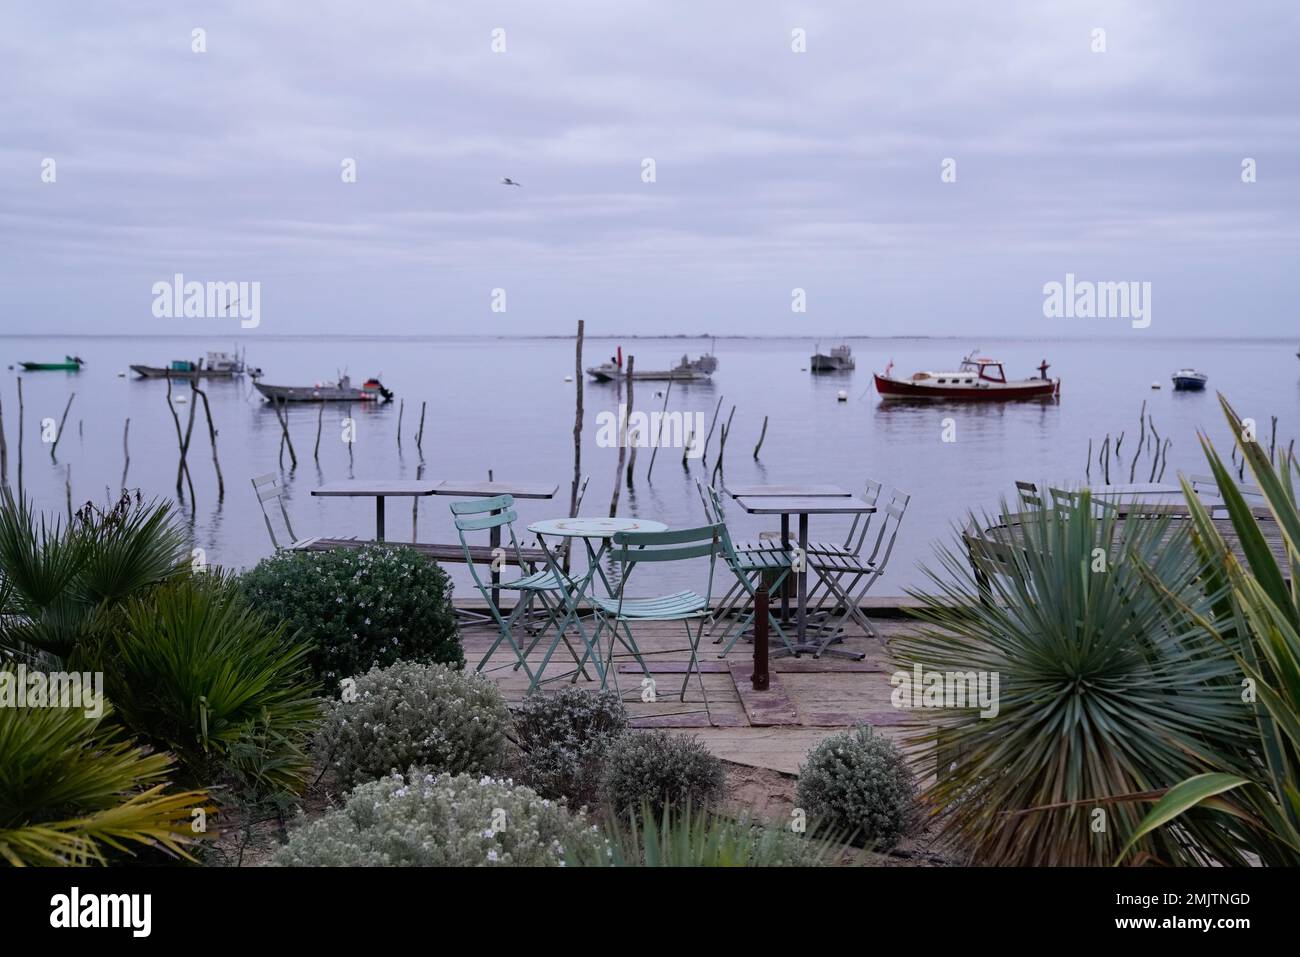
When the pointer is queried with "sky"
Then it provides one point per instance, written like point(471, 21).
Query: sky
point(795, 146)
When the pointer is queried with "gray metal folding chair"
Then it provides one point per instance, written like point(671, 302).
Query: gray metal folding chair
point(269, 490)
point(850, 577)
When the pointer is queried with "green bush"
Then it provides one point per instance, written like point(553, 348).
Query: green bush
point(563, 737)
point(74, 791)
point(360, 608)
point(859, 782)
point(427, 820)
point(656, 769)
point(195, 671)
point(412, 713)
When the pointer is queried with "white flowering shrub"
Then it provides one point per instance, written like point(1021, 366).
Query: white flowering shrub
point(654, 769)
point(359, 607)
point(410, 713)
point(563, 737)
point(859, 782)
point(425, 820)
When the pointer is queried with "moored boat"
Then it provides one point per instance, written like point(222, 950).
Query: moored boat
point(686, 370)
point(978, 378)
point(215, 365)
point(69, 364)
point(1189, 380)
point(840, 359)
point(342, 390)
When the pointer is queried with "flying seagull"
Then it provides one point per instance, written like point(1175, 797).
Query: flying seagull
point(507, 181)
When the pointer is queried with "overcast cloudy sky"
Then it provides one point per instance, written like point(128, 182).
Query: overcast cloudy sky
point(773, 169)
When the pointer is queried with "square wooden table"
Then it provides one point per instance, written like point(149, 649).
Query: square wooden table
point(803, 506)
point(379, 489)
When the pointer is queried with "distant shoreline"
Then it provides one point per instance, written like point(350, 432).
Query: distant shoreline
point(971, 339)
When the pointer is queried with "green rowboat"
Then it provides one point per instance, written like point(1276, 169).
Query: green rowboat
point(69, 364)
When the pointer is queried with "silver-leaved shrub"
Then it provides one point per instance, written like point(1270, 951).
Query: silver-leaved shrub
point(421, 819)
point(654, 769)
point(411, 713)
point(858, 782)
point(563, 736)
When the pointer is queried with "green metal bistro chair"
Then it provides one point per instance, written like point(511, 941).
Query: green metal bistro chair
point(634, 548)
point(748, 561)
point(753, 568)
point(498, 512)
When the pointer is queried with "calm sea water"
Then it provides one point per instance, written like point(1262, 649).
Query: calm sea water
point(503, 406)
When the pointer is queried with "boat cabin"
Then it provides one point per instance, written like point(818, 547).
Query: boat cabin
point(988, 369)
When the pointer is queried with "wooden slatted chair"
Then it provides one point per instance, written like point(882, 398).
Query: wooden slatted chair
point(1028, 493)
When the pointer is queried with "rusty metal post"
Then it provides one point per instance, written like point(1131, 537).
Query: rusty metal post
point(760, 677)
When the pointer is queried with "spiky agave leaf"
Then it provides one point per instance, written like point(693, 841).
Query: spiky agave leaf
point(1259, 785)
point(1105, 690)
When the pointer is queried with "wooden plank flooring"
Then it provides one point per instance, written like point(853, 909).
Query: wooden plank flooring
point(809, 698)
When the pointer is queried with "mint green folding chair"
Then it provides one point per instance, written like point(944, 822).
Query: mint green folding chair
point(543, 585)
point(751, 568)
point(635, 548)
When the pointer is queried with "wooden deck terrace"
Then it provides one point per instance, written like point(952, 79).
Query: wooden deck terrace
point(807, 700)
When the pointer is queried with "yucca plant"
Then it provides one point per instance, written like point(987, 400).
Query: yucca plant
point(73, 791)
point(699, 837)
point(1253, 792)
point(197, 671)
point(1106, 688)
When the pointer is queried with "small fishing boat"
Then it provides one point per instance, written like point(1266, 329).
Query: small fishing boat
point(215, 365)
point(341, 390)
point(69, 364)
point(686, 370)
point(839, 360)
point(977, 379)
point(1189, 380)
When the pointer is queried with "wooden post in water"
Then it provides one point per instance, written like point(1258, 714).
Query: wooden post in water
point(577, 423)
point(419, 436)
point(212, 438)
point(68, 491)
point(401, 407)
point(660, 437)
point(180, 441)
point(708, 438)
point(760, 679)
point(722, 442)
point(185, 450)
point(59, 434)
point(761, 436)
point(21, 416)
point(126, 451)
point(282, 415)
point(320, 419)
point(4, 457)
point(622, 442)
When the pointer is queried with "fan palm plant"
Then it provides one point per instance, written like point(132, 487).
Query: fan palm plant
point(59, 581)
point(196, 670)
point(1253, 791)
point(1104, 691)
point(73, 791)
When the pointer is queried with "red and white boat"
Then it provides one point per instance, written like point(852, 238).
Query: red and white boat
point(977, 379)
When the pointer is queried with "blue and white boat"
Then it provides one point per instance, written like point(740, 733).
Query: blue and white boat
point(1189, 380)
